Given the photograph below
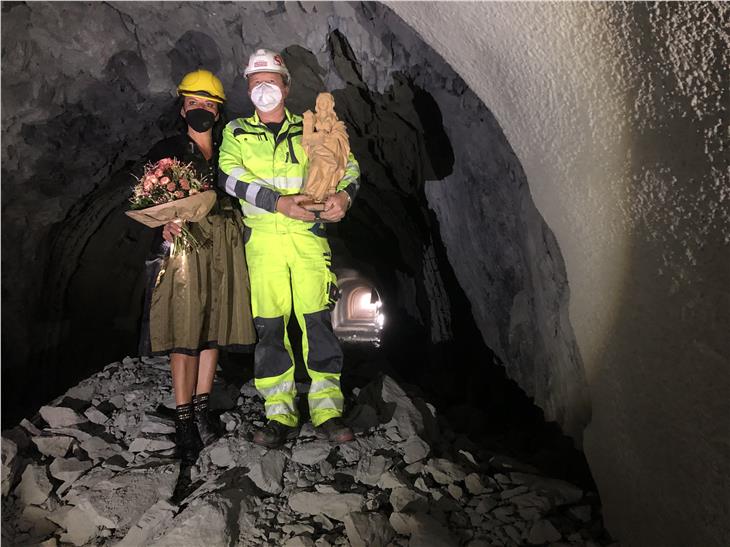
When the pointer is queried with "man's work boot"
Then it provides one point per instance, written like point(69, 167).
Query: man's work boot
point(207, 428)
point(335, 431)
point(274, 434)
point(187, 439)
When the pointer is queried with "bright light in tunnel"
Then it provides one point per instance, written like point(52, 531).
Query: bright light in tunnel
point(366, 304)
point(357, 317)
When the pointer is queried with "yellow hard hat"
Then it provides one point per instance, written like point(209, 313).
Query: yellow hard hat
point(202, 84)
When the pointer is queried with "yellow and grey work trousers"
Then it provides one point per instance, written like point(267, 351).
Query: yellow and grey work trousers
point(292, 268)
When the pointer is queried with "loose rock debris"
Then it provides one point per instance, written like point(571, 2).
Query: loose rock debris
point(95, 467)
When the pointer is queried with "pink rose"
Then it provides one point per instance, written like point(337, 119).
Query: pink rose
point(152, 179)
point(165, 180)
point(184, 184)
point(171, 187)
point(179, 194)
point(147, 185)
point(159, 172)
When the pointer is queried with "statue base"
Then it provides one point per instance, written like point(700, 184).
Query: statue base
point(311, 205)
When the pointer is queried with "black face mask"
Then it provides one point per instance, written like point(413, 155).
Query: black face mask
point(200, 119)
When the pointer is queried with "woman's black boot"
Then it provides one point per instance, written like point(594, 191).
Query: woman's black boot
point(187, 439)
point(209, 430)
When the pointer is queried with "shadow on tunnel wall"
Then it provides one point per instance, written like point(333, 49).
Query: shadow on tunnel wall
point(662, 387)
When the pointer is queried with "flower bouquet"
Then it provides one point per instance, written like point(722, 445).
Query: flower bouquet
point(170, 190)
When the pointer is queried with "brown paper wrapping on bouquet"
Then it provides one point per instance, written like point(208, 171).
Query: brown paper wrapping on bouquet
point(327, 145)
point(190, 209)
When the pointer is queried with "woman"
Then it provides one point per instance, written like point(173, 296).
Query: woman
point(198, 301)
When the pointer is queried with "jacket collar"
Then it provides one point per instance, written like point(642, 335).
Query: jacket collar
point(288, 118)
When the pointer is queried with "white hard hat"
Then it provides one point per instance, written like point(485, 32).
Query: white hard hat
point(265, 60)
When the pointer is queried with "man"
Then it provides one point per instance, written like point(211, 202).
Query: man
point(263, 163)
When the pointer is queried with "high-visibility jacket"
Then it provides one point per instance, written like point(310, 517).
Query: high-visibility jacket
point(258, 167)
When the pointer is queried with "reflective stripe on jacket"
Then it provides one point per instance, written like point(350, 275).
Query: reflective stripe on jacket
point(257, 168)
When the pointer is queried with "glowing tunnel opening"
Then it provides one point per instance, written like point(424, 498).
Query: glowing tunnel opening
point(358, 317)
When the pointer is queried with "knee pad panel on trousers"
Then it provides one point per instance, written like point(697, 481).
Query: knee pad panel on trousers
point(271, 357)
point(325, 353)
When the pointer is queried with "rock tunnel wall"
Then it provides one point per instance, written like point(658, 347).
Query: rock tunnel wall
point(618, 114)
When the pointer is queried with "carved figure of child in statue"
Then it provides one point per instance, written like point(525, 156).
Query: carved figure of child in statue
point(325, 141)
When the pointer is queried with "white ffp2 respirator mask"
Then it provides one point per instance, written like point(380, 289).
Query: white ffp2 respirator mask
point(266, 97)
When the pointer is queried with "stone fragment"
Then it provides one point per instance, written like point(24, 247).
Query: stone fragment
point(83, 392)
point(371, 468)
point(393, 434)
point(296, 529)
point(512, 492)
point(531, 499)
point(70, 432)
point(94, 415)
point(543, 531)
point(69, 469)
point(299, 541)
point(368, 529)
point(55, 447)
point(98, 449)
point(474, 484)
point(60, 416)
point(205, 523)
point(444, 471)
point(143, 444)
point(118, 401)
point(34, 487)
point(468, 456)
point(311, 453)
point(414, 468)
point(154, 519)
point(30, 427)
point(421, 485)
point(405, 500)
point(325, 489)
point(80, 529)
point(414, 449)
point(33, 521)
point(455, 491)
point(390, 480)
point(324, 522)
point(529, 514)
point(335, 506)
point(115, 463)
point(423, 529)
point(10, 465)
point(393, 406)
point(513, 533)
point(221, 456)
point(268, 472)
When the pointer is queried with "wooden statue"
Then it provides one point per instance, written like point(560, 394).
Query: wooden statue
point(326, 143)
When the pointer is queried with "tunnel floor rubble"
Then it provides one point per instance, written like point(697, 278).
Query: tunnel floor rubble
point(95, 467)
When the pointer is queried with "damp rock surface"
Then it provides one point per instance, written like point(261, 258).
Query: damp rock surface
point(117, 483)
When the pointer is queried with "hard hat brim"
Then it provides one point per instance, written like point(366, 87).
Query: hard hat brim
point(204, 95)
point(283, 72)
